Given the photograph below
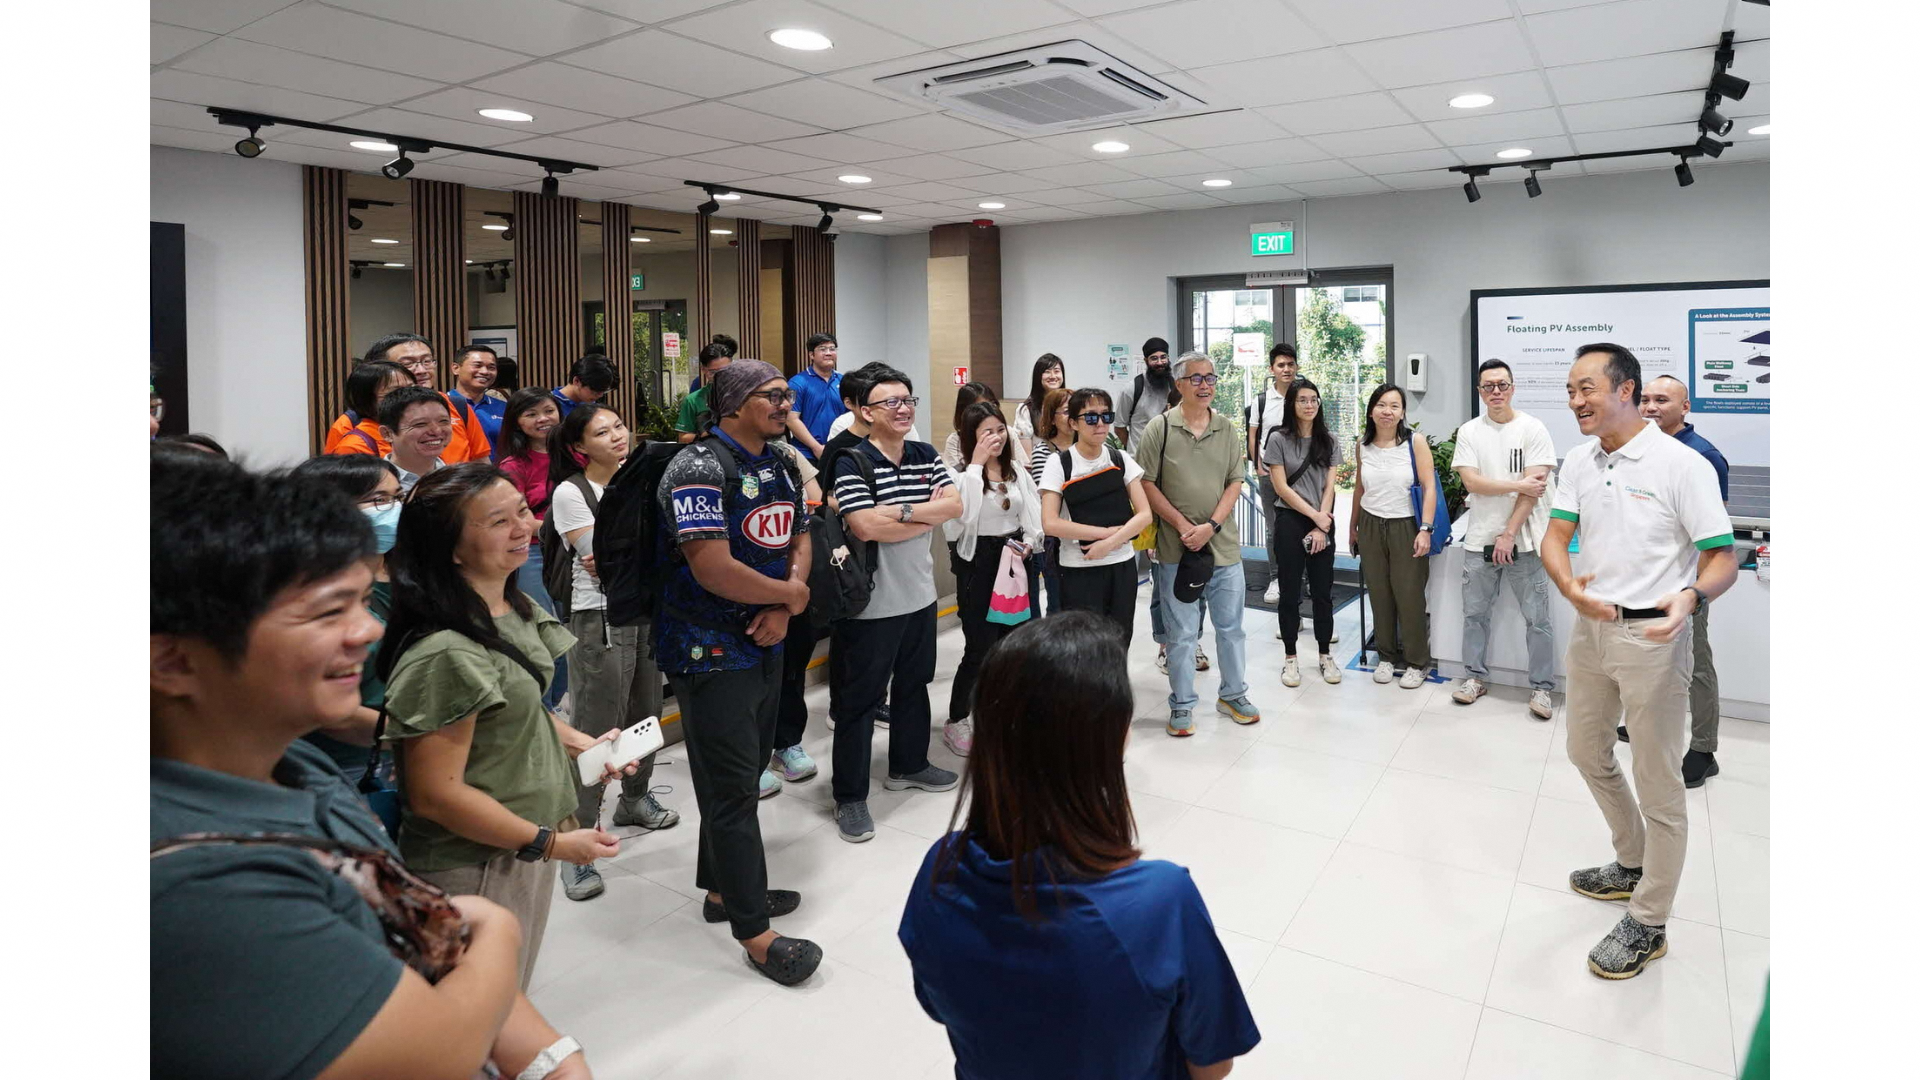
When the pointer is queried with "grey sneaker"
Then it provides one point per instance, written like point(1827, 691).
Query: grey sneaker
point(1609, 882)
point(856, 825)
point(1239, 710)
point(795, 764)
point(1627, 949)
point(646, 812)
point(581, 882)
point(931, 778)
point(1180, 723)
point(1469, 690)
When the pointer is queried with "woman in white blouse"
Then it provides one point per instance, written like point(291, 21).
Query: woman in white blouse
point(1000, 509)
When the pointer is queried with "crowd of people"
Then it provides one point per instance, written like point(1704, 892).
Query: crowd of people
point(372, 674)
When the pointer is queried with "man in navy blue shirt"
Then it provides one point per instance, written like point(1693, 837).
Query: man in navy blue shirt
point(816, 396)
point(592, 376)
point(474, 370)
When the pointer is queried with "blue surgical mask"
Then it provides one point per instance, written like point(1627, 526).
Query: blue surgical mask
point(386, 525)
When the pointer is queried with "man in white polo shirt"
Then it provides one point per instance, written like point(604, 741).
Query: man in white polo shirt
point(1655, 543)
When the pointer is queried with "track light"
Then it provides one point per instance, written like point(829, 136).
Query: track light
point(508, 235)
point(354, 272)
point(710, 207)
point(1532, 184)
point(251, 146)
point(1683, 173)
point(1710, 146)
point(354, 222)
point(550, 187)
point(1726, 85)
point(505, 273)
point(398, 167)
point(826, 222)
point(1472, 189)
point(1712, 123)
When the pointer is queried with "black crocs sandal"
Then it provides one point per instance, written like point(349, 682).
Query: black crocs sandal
point(789, 960)
point(779, 902)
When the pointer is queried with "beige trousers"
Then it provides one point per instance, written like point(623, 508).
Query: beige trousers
point(524, 888)
point(1612, 669)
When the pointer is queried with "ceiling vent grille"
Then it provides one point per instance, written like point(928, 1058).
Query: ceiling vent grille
point(1061, 87)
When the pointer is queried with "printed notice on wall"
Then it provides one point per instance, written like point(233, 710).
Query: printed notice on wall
point(1119, 361)
point(1731, 360)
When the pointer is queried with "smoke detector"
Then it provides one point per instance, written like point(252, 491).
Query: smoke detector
point(1066, 86)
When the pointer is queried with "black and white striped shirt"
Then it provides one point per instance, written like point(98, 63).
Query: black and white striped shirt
point(903, 581)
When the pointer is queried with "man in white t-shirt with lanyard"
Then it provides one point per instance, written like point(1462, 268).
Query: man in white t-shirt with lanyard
point(1503, 457)
point(1655, 544)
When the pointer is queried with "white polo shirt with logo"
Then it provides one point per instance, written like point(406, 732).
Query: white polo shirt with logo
point(1644, 513)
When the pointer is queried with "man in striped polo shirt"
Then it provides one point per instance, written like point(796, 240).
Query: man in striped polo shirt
point(892, 641)
point(1655, 545)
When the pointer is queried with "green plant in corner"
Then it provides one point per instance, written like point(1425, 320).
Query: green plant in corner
point(655, 422)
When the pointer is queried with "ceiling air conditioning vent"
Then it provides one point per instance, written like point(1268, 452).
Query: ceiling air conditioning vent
point(1065, 86)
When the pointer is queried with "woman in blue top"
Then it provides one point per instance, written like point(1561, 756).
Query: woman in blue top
point(1037, 934)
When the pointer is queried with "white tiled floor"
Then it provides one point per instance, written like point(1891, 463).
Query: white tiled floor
point(1386, 869)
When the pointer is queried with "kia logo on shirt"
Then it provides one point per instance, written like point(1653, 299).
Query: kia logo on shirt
point(771, 526)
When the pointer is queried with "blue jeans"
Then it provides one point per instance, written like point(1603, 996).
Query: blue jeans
point(533, 582)
point(1155, 572)
point(1526, 578)
point(1226, 594)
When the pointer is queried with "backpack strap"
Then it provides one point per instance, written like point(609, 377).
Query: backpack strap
point(579, 480)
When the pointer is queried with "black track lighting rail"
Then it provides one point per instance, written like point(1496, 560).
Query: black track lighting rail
point(826, 206)
point(1689, 150)
point(407, 144)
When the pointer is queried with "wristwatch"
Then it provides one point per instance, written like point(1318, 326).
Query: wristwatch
point(1426, 526)
point(549, 1059)
point(1700, 598)
point(537, 850)
point(1215, 524)
point(906, 512)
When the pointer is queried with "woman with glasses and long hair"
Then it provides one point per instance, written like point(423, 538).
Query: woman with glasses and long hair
point(1091, 498)
point(1392, 536)
point(357, 431)
point(1038, 935)
point(1049, 374)
point(999, 509)
point(526, 427)
point(1052, 433)
point(1300, 455)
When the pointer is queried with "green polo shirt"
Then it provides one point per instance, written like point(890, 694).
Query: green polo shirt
point(691, 407)
point(1192, 472)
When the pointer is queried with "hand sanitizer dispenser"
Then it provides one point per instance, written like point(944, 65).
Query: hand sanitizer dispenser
point(1417, 372)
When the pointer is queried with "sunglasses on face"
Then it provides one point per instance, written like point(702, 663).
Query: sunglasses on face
point(1092, 418)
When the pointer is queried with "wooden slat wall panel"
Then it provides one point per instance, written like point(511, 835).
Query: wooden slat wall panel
point(329, 342)
point(812, 309)
point(700, 315)
point(616, 284)
point(439, 269)
point(546, 275)
point(747, 231)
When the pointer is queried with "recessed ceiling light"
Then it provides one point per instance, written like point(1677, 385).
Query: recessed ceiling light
point(721, 232)
point(1111, 147)
point(1763, 129)
point(1216, 183)
point(1516, 152)
point(871, 217)
point(469, 262)
point(993, 206)
point(401, 265)
point(494, 228)
point(804, 40)
point(1471, 101)
point(514, 115)
point(856, 178)
point(380, 241)
point(640, 239)
point(375, 146)
point(726, 196)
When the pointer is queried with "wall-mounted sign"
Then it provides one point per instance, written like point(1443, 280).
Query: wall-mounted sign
point(1271, 238)
point(959, 376)
point(670, 345)
point(639, 282)
point(1119, 361)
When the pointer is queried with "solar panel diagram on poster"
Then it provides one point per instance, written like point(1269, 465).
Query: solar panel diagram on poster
point(1730, 359)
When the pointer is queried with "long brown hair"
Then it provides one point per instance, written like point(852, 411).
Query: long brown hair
point(965, 397)
point(1046, 780)
point(971, 418)
point(1043, 424)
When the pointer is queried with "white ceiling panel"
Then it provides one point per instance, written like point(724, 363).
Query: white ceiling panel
point(1277, 80)
point(654, 140)
point(1752, 20)
point(1411, 161)
point(211, 141)
point(355, 38)
point(1182, 163)
point(941, 25)
point(520, 170)
point(1651, 138)
point(571, 150)
point(1627, 28)
point(1015, 183)
point(730, 122)
point(214, 16)
point(782, 185)
point(1354, 185)
point(678, 63)
point(1196, 32)
point(1186, 200)
point(933, 191)
point(1084, 172)
point(936, 167)
point(551, 83)
point(1387, 140)
point(1065, 196)
point(1329, 169)
point(247, 61)
point(1350, 113)
point(1092, 33)
point(744, 28)
point(825, 104)
point(464, 103)
point(1214, 129)
point(848, 149)
point(1277, 152)
point(1080, 143)
point(942, 211)
point(426, 126)
point(1422, 181)
point(654, 176)
point(1135, 189)
point(1634, 112)
point(831, 178)
point(1015, 155)
point(1270, 193)
point(1193, 181)
point(1054, 213)
point(1488, 153)
point(1759, 100)
point(1114, 208)
point(540, 27)
point(760, 160)
point(165, 42)
point(1092, 8)
point(1516, 125)
point(1658, 73)
point(1347, 21)
point(1515, 92)
point(204, 90)
point(931, 133)
point(1464, 52)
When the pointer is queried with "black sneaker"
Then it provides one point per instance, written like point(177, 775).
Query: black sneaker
point(1622, 732)
point(1627, 949)
point(790, 961)
point(1609, 882)
point(779, 902)
point(1696, 767)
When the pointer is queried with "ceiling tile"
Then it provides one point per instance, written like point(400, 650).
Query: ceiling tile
point(862, 78)
point(1015, 155)
point(1662, 73)
point(760, 160)
point(464, 103)
point(723, 121)
point(1355, 185)
point(1651, 138)
point(1486, 153)
point(933, 191)
point(1134, 189)
point(1277, 152)
point(1635, 112)
point(1347, 21)
point(1759, 100)
point(539, 27)
point(1247, 195)
point(210, 141)
point(1410, 161)
point(744, 28)
point(404, 122)
point(1276, 80)
point(834, 146)
point(825, 104)
point(678, 63)
point(1515, 92)
point(1752, 21)
point(1186, 200)
point(1330, 169)
point(430, 169)
point(1627, 28)
point(165, 42)
point(1065, 196)
point(1015, 183)
point(654, 140)
point(355, 38)
point(1053, 213)
point(203, 90)
point(1080, 143)
point(1387, 140)
point(1179, 163)
point(931, 133)
point(247, 61)
point(588, 91)
point(1084, 172)
point(1193, 182)
point(1517, 125)
point(936, 167)
point(1092, 33)
point(940, 211)
point(1422, 181)
point(1444, 55)
point(1354, 112)
point(574, 150)
point(941, 25)
point(1114, 208)
point(785, 185)
point(214, 16)
point(666, 175)
point(1214, 129)
point(1197, 32)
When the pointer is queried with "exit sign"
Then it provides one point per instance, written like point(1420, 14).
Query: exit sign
point(1271, 238)
point(639, 282)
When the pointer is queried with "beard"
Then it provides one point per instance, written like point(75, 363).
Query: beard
point(1160, 378)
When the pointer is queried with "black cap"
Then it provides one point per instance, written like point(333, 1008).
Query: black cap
point(1196, 568)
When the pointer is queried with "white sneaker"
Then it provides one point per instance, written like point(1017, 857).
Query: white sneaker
point(1541, 705)
point(1161, 660)
point(1329, 670)
point(1382, 672)
point(1272, 595)
point(1290, 674)
point(1413, 677)
point(1469, 690)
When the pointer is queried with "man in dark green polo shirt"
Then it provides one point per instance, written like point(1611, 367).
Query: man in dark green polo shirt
point(265, 964)
point(693, 407)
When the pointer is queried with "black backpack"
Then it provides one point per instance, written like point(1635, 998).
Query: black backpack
point(840, 580)
point(556, 571)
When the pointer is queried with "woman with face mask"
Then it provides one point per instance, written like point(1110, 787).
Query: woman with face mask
point(374, 486)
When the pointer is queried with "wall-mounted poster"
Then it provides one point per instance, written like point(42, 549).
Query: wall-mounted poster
point(1731, 360)
point(1119, 362)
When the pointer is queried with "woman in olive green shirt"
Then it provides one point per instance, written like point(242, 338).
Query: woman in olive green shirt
point(486, 771)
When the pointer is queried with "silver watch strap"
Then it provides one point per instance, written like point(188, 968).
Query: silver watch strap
point(550, 1059)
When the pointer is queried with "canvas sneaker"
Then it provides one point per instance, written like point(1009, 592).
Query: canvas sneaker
point(931, 778)
point(1541, 705)
point(1239, 710)
point(856, 824)
point(1469, 690)
point(1412, 678)
point(1290, 672)
point(1180, 723)
point(795, 764)
point(1627, 949)
point(1329, 670)
point(581, 882)
point(1383, 672)
point(1609, 882)
point(1272, 595)
point(958, 735)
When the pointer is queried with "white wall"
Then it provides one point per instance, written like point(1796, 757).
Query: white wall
point(860, 299)
point(907, 342)
point(1072, 287)
point(246, 297)
point(379, 302)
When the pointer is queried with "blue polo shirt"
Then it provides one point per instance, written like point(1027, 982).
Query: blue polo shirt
point(1709, 451)
point(1122, 979)
point(817, 400)
point(490, 410)
point(560, 398)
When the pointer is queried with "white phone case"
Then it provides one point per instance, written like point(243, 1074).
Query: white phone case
point(633, 744)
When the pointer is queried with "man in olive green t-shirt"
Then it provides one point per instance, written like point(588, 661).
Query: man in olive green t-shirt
point(693, 407)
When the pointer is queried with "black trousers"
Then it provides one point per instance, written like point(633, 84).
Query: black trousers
point(797, 653)
point(727, 718)
point(873, 652)
point(1109, 590)
point(973, 588)
point(1290, 529)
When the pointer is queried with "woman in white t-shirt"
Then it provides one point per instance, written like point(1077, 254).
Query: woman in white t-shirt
point(1392, 536)
point(612, 677)
point(1049, 374)
point(1052, 433)
point(1092, 499)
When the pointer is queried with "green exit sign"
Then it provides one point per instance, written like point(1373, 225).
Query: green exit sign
point(1272, 241)
point(639, 282)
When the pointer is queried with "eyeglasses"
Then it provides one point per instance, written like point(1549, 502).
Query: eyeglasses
point(1203, 380)
point(444, 423)
point(418, 363)
point(379, 500)
point(1156, 356)
point(894, 404)
point(1092, 418)
point(1495, 387)
point(775, 398)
